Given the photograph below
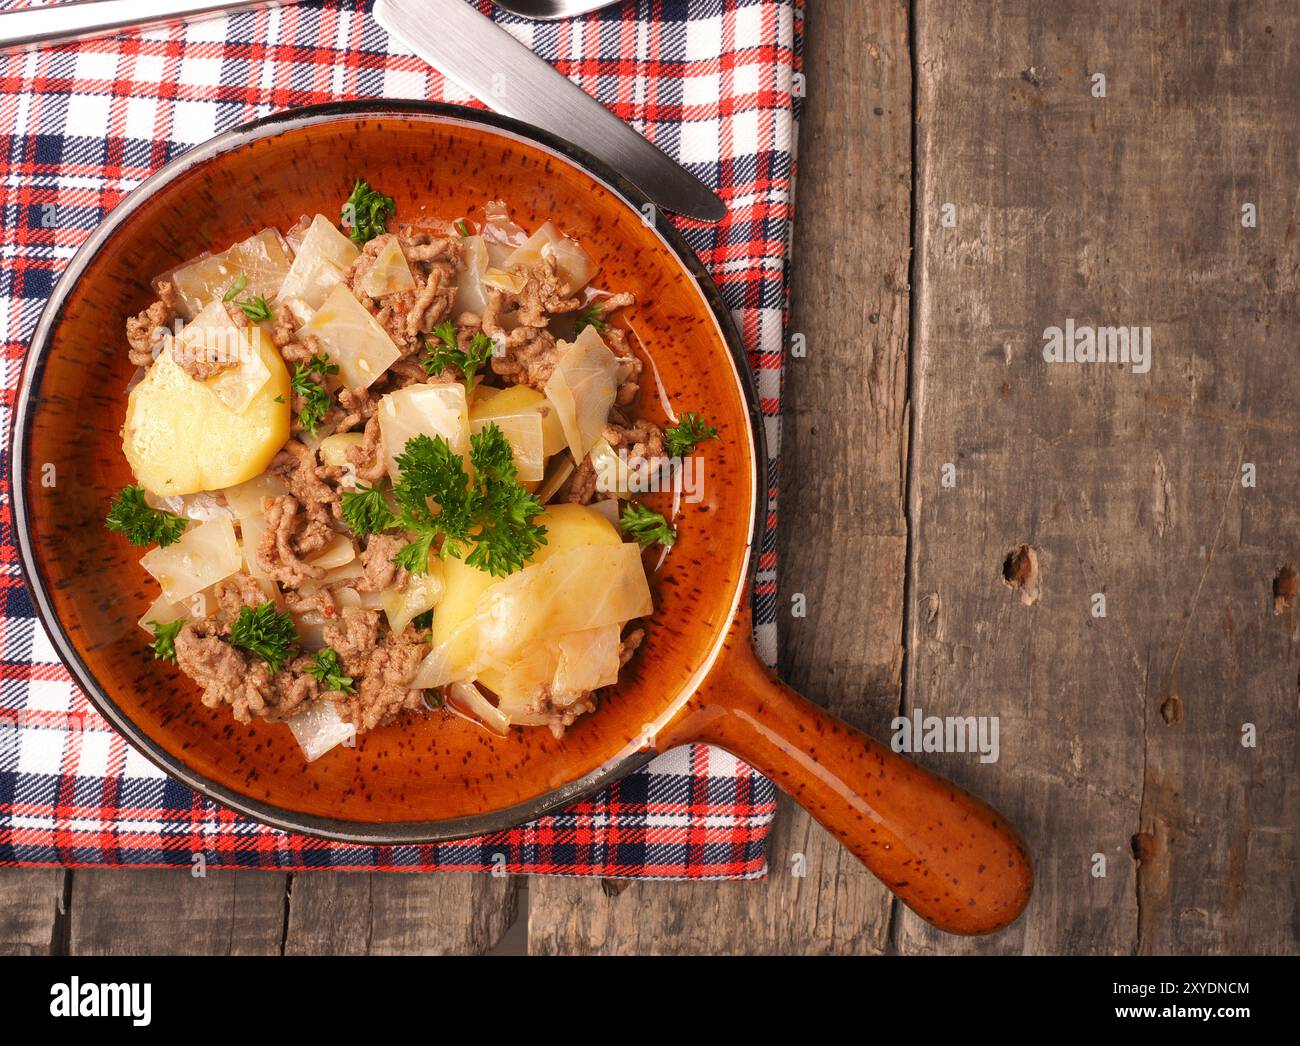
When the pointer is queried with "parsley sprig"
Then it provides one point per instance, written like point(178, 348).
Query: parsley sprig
point(164, 639)
point(446, 352)
point(365, 214)
point(493, 512)
point(328, 669)
point(682, 438)
point(266, 632)
point(255, 308)
point(316, 398)
point(140, 522)
point(592, 316)
point(366, 510)
point(646, 527)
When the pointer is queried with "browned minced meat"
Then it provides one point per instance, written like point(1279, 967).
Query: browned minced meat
point(368, 459)
point(295, 348)
point(291, 535)
point(526, 356)
point(377, 561)
point(231, 677)
point(356, 407)
point(309, 481)
point(631, 643)
point(141, 329)
point(407, 315)
point(642, 440)
point(559, 717)
point(580, 487)
point(381, 669)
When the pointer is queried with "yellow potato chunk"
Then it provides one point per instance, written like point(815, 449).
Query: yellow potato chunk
point(180, 436)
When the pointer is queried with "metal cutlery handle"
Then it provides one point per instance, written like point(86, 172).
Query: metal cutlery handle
point(59, 23)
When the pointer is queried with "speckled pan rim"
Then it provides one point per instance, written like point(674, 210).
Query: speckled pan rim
point(363, 833)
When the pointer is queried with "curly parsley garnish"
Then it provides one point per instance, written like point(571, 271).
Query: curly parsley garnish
point(140, 522)
point(316, 398)
point(265, 632)
point(365, 214)
point(592, 316)
point(646, 527)
point(494, 512)
point(366, 510)
point(164, 639)
point(682, 438)
point(328, 670)
point(446, 352)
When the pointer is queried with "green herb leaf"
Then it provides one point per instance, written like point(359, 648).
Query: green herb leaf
point(315, 396)
point(462, 228)
point(446, 352)
point(365, 214)
point(423, 622)
point(141, 523)
point(241, 281)
point(256, 309)
point(266, 632)
point(494, 512)
point(328, 669)
point(366, 510)
point(164, 639)
point(690, 430)
point(592, 316)
point(646, 527)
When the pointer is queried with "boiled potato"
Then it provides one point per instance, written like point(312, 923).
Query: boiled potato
point(567, 526)
point(495, 405)
point(180, 437)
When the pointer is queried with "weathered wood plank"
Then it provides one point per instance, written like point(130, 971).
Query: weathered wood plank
point(31, 910)
point(843, 538)
point(362, 913)
point(137, 911)
point(1118, 733)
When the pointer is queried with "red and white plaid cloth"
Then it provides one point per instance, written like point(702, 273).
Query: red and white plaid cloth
point(709, 81)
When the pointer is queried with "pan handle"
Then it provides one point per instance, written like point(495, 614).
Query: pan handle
point(949, 857)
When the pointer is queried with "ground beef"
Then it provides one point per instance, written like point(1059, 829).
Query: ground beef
point(642, 441)
point(142, 329)
point(354, 638)
point(631, 643)
point(313, 484)
point(291, 535)
point(356, 407)
point(382, 688)
point(580, 487)
point(560, 711)
point(236, 592)
point(526, 356)
point(368, 459)
point(380, 570)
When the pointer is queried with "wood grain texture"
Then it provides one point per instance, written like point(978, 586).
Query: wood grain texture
point(363, 913)
point(32, 910)
point(169, 912)
point(843, 537)
point(1120, 735)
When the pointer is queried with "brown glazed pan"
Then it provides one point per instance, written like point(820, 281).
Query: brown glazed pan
point(948, 856)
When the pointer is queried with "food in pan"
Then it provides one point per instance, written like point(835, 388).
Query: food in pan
point(382, 473)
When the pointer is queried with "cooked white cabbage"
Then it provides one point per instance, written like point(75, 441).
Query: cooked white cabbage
point(572, 591)
point(390, 273)
point(422, 592)
point(319, 727)
point(432, 410)
point(470, 295)
point(263, 260)
point(204, 555)
point(352, 338)
point(318, 266)
point(582, 389)
point(245, 499)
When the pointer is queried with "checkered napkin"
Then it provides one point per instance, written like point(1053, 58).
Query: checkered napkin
point(709, 81)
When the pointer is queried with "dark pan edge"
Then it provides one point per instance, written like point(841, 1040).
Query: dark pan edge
point(359, 833)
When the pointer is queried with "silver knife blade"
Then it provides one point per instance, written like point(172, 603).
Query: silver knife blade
point(507, 77)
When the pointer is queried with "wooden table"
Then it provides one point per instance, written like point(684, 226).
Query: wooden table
point(966, 181)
